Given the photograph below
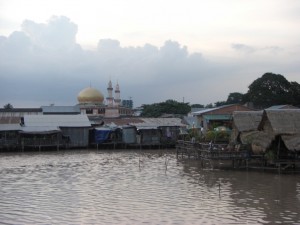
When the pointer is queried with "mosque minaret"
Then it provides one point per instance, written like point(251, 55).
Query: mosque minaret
point(110, 98)
point(91, 102)
point(117, 96)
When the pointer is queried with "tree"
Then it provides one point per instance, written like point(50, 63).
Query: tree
point(235, 98)
point(197, 106)
point(270, 89)
point(295, 88)
point(8, 106)
point(220, 103)
point(167, 107)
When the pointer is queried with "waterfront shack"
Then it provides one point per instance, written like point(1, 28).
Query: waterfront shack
point(9, 135)
point(283, 127)
point(75, 128)
point(159, 131)
point(129, 134)
point(218, 116)
point(245, 127)
point(149, 136)
point(105, 136)
point(38, 137)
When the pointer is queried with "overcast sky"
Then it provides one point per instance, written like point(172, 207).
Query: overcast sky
point(193, 50)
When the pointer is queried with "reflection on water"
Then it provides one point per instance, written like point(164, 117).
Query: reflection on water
point(134, 187)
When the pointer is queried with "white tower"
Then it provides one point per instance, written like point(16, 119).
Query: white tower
point(109, 98)
point(117, 96)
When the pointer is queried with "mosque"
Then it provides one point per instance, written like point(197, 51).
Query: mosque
point(91, 102)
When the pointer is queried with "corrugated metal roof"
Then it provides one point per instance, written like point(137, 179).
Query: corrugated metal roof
point(159, 122)
point(21, 110)
point(61, 109)
point(283, 107)
point(57, 120)
point(203, 111)
point(217, 117)
point(43, 129)
point(10, 127)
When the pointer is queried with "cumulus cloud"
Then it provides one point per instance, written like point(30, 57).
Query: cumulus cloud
point(43, 64)
point(58, 33)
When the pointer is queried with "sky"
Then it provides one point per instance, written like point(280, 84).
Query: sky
point(194, 51)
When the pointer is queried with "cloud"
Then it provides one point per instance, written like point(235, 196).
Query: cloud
point(243, 48)
point(251, 49)
point(43, 64)
point(58, 33)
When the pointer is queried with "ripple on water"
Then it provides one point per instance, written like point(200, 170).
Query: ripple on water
point(134, 187)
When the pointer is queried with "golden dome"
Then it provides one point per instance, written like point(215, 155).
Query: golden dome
point(90, 95)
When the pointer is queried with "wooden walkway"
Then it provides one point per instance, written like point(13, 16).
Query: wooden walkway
point(208, 152)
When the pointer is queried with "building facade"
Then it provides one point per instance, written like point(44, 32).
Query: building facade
point(91, 102)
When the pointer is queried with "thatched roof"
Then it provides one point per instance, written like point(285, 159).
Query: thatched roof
point(261, 142)
point(247, 120)
point(292, 142)
point(282, 121)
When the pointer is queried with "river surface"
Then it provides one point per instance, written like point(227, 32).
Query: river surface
point(139, 187)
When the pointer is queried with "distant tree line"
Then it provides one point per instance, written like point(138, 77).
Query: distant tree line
point(167, 107)
point(268, 90)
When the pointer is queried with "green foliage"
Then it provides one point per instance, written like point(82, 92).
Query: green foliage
point(295, 92)
point(220, 103)
point(209, 106)
point(197, 106)
point(270, 155)
point(217, 136)
point(270, 89)
point(8, 106)
point(167, 107)
point(235, 98)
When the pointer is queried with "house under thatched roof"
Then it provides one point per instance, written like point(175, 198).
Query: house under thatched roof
point(247, 120)
point(283, 123)
point(245, 126)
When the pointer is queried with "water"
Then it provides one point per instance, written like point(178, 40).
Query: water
point(134, 187)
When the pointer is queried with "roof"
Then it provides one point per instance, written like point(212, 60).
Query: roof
point(283, 107)
point(224, 110)
point(57, 120)
point(247, 120)
point(191, 121)
point(197, 109)
point(218, 117)
point(282, 121)
point(144, 122)
point(10, 127)
point(61, 109)
point(159, 122)
point(292, 142)
point(21, 110)
point(40, 130)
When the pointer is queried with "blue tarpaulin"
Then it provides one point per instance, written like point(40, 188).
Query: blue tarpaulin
point(102, 135)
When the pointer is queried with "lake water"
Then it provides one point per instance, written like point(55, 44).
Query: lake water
point(139, 187)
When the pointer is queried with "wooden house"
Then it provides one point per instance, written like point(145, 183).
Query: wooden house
point(218, 116)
